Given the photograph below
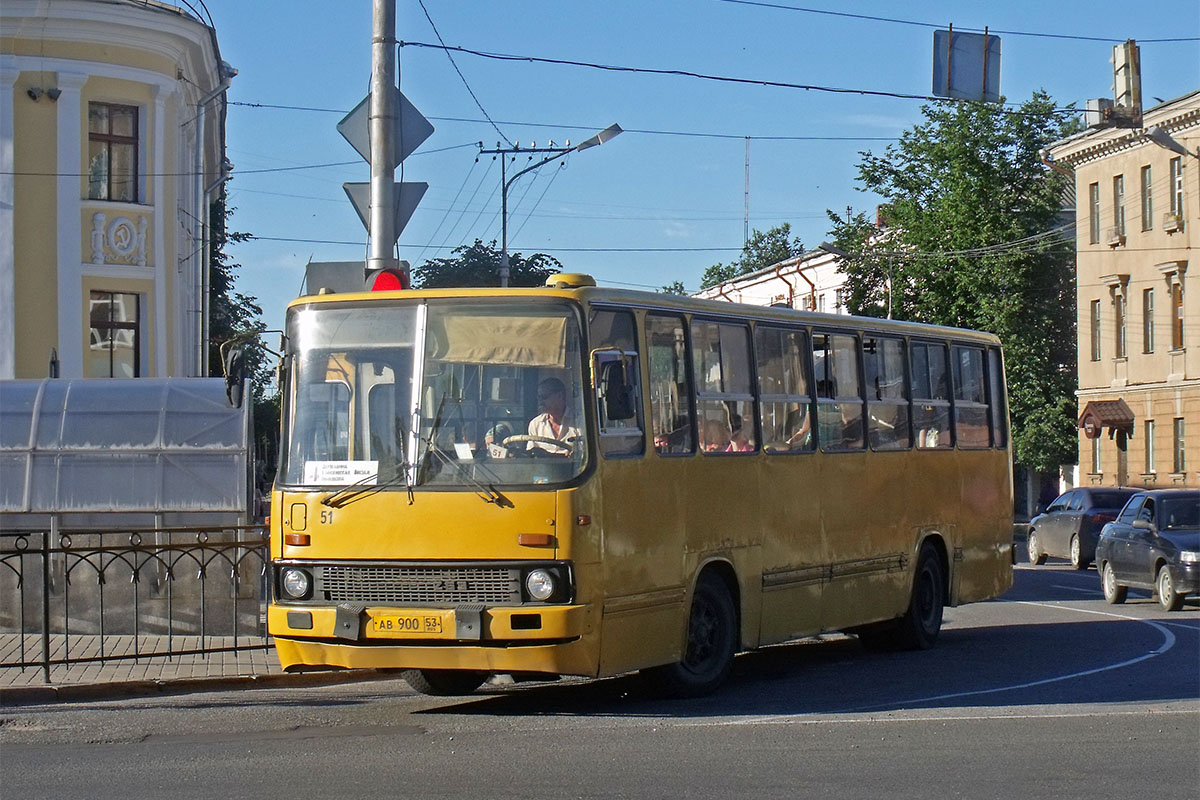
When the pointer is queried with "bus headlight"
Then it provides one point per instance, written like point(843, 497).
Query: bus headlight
point(295, 583)
point(539, 583)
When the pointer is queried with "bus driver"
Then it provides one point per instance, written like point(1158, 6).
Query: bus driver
point(553, 422)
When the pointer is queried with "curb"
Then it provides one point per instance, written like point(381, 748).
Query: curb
point(74, 693)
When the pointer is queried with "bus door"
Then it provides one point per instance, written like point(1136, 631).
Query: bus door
point(642, 493)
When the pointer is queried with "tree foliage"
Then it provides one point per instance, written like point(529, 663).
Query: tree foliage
point(975, 239)
point(479, 265)
point(235, 318)
point(760, 251)
point(674, 287)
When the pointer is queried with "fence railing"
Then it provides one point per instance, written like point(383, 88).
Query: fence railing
point(173, 591)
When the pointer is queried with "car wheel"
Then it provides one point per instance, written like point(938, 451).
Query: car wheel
point(1168, 598)
point(1036, 556)
point(1114, 592)
point(1077, 555)
point(711, 643)
point(444, 682)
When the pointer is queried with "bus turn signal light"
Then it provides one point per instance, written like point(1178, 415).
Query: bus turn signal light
point(297, 539)
point(536, 539)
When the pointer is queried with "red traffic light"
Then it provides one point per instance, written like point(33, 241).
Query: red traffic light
point(385, 280)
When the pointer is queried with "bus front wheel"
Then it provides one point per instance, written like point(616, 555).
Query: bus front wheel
point(444, 682)
point(710, 647)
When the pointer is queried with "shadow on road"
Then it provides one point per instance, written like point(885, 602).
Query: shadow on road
point(1023, 664)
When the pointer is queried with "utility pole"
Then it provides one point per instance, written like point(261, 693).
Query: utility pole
point(381, 225)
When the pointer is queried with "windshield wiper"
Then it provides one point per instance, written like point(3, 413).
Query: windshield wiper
point(485, 491)
point(360, 488)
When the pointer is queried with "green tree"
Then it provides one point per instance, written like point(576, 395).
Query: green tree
point(674, 287)
point(760, 251)
point(235, 320)
point(479, 265)
point(976, 239)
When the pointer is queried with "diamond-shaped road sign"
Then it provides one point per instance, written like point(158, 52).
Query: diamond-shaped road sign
point(408, 194)
point(411, 129)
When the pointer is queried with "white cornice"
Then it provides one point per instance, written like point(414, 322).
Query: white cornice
point(1180, 116)
point(85, 69)
point(178, 38)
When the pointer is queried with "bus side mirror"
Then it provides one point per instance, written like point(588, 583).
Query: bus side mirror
point(617, 394)
point(235, 375)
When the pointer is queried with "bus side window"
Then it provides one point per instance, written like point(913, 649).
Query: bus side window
point(996, 396)
point(931, 395)
point(839, 395)
point(970, 400)
point(724, 398)
point(670, 386)
point(887, 394)
point(616, 373)
point(785, 399)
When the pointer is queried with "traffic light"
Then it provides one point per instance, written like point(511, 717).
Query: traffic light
point(388, 280)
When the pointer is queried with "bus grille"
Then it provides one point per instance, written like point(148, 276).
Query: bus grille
point(383, 585)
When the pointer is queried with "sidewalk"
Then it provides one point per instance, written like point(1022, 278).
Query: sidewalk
point(246, 668)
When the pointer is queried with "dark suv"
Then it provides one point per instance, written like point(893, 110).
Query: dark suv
point(1070, 526)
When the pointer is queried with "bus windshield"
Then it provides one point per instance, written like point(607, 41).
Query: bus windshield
point(500, 400)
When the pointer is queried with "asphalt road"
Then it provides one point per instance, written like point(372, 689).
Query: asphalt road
point(1048, 692)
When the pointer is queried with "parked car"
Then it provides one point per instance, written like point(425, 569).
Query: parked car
point(1070, 526)
point(1153, 544)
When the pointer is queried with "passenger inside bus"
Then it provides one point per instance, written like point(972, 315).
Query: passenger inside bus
point(739, 441)
point(716, 436)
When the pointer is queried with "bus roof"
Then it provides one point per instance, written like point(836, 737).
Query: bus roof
point(632, 298)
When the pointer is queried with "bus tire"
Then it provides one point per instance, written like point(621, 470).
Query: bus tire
point(711, 643)
point(919, 627)
point(444, 682)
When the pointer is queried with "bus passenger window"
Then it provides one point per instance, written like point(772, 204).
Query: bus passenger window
point(931, 395)
point(887, 394)
point(970, 400)
point(785, 400)
point(670, 387)
point(839, 396)
point(724, 399)
point(617, 374)
point(996, 398)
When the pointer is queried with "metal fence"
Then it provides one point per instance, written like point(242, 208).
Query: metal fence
point(168, 590)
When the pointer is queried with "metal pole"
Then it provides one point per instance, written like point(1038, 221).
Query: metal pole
point(381, 122)
point(503, 224)
point(47, 537)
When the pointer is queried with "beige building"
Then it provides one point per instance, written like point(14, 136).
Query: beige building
point(112, 118)
point(1138, 208)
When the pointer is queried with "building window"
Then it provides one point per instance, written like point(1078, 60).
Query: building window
point(1096, 456)
point(840, 300)
point(1179, 463)
point(1148, 321)
point(1119, 205)
point(112, 152)
point(1177, 316)
point(1095, 327)
point(1176, 187)
point(1119, 311)
point(1094, 213)
point(1150, 447)
point(115, 350)
point(1147, 198)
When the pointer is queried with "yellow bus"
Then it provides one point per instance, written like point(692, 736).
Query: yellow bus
point(575, 480)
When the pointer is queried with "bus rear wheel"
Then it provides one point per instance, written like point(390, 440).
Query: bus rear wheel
point(444, 682)
point(919, 627)
point(710, 647)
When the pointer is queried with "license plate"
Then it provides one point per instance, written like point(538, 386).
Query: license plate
point(406, 624)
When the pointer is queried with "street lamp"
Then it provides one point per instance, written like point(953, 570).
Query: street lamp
point(555, 153)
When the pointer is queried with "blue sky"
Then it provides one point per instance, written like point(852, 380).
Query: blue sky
point(666, 199)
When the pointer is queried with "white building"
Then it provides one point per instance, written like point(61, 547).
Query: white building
point(812, 281)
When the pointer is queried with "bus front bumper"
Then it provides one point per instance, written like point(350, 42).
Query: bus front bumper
point(545, 639)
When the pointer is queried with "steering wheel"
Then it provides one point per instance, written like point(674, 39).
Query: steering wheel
point(514, 443)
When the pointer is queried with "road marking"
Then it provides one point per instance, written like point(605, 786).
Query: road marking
point(795, 720)
point(1075, 588)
